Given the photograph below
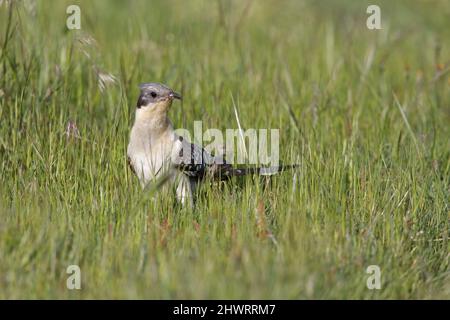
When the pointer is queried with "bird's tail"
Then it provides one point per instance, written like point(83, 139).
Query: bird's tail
point(230, 171)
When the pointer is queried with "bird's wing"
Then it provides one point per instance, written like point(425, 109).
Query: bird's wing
point(196, 162)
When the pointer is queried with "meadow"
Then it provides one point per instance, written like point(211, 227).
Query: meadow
point(365, 113)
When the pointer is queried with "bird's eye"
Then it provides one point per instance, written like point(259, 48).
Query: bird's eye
point(153, 94)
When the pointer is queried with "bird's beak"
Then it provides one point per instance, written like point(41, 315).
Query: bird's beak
point(175, 95)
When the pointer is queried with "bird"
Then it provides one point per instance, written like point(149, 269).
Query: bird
point(155, 150)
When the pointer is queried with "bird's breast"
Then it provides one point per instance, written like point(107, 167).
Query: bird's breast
point(150, 159)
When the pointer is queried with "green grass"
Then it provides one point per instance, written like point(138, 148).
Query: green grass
point(373, 184)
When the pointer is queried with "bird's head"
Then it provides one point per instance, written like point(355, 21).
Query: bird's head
point(155, 99)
